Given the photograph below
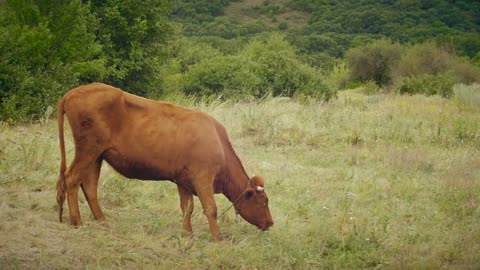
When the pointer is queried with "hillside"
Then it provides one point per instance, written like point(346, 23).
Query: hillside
point(347, 23)
point(274, 14)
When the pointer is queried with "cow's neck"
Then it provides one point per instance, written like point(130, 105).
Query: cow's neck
point(236, 179)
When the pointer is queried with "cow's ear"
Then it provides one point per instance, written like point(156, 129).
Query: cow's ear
point(249, 193)
point(258, 180)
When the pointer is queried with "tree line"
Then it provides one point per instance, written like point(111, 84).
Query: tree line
point(160, 47)
point(49, 46)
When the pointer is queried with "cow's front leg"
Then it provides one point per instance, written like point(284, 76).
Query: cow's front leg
point(186, 203)
point(205, 193)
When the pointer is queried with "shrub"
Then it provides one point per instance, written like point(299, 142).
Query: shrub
point(428, 58)
point(42, 56)
point(283, 26)
point(263, 67)
point(322, 61)
point(441, 85)
point(229, 76)
point(374, 61)
point(282, 71)
point(465, 72)
point(423, 59)
point(338, 76)
point(48, 47)
point(371, 88)
point(476, 60)
point(189, 52)
point(353, 85)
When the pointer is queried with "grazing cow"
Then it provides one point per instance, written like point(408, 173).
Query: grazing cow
point(151, 140)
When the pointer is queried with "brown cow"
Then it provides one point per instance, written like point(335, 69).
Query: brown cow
point(150, 140)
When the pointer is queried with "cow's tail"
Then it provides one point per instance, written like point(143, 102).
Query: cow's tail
point(61, 186)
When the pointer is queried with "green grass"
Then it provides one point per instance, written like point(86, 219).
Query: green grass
point(383, 181)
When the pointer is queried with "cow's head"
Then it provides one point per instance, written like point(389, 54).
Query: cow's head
point(253, 205)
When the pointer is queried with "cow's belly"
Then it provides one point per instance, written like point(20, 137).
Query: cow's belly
point(136, 167)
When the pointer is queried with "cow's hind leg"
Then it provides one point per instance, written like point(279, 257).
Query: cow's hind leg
point(80, 171)
point(186, 203)
point(89, 186)
point(72, 183)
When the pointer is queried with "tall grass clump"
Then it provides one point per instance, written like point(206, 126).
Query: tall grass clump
point(371, 88)
point(467, 95)
point(338, 76)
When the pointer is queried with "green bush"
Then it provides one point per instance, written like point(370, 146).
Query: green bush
point(428, 58)
point(476, 60)
point(423, 59)
point(48, 47)
point(283, 26)
point(427, 84)
point(133, 36)
point(371, 88)
point(337, 76)
point(282, 71)
point(263, 67)
point(227, 76)
point(465, 72)
point(189, 52)
point(374, 61)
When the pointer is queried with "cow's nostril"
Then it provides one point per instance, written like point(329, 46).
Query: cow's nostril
point(268, 224)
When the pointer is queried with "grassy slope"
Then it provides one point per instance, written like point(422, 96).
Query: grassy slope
point(243, 12)
point(361, 182)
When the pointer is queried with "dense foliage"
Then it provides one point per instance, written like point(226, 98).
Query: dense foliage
point(262, 67)
point(205, 18)
point(335, 26)
point(374, 61)
point(454, 22)
point(232, 48)
point(47, 47)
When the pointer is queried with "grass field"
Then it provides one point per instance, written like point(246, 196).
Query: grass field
point(375, 182)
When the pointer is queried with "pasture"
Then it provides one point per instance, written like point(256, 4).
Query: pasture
point(375, 182)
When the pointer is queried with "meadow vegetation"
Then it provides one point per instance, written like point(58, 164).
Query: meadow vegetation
point(384, 174)
point(363, 181)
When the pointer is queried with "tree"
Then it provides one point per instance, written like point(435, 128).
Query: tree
point(374, 61)
point(50, 46)
point(47, 47)
point(133, 35)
